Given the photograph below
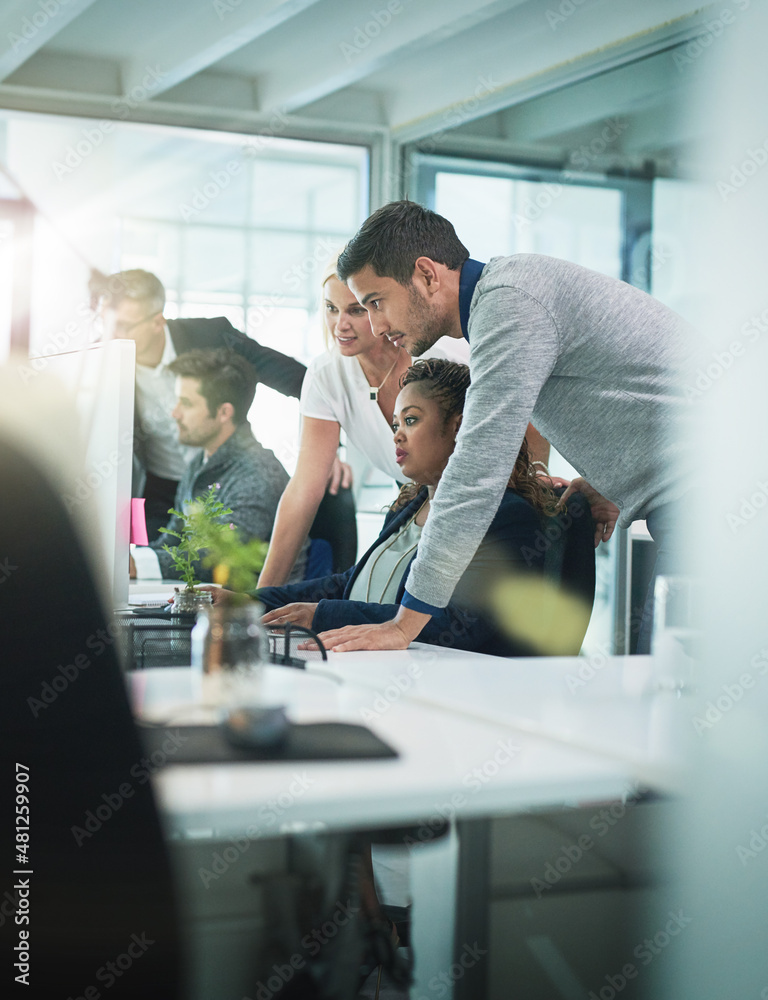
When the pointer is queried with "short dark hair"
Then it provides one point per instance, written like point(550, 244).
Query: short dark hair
point(225, 377)
point(395, 236)
point(136, 285)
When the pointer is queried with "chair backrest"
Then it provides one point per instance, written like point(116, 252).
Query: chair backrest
point(569, 557)
point(336, 523)
point(102, 889)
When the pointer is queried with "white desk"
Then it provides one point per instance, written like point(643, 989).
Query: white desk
point(477, 736)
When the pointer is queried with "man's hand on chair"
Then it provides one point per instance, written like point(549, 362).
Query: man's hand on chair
point(604, 513)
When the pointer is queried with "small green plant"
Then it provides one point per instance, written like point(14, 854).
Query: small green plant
point(205, 535)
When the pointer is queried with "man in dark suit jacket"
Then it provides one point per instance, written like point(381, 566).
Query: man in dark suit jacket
point(132, 306)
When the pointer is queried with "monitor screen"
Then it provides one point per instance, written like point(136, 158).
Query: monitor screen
point(101, 378)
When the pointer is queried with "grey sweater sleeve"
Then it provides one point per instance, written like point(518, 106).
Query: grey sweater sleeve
point(514, 346)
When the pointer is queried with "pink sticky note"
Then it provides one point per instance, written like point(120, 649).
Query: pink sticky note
point(138, 522)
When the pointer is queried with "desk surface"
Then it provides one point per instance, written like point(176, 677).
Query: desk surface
point(476, 736)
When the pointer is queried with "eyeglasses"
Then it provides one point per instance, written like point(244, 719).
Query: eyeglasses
point(122, 328)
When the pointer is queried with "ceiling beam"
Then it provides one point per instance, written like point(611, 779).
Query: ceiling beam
point(513, 77)
point(374, 40)
point(205, 37)
point(629, 89)
point(26, 26)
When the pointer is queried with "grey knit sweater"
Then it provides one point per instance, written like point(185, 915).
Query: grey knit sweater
point(596, 365)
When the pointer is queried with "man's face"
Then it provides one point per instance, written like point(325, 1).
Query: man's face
point(133, 319)
point(196, 425)
point(402, 313)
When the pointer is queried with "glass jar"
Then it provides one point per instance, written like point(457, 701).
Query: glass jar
point(229, 649)
point(187, 604)
point(190, 602)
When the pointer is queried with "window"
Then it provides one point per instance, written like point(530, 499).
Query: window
point(234, 225)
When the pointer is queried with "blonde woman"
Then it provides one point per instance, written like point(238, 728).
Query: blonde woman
point(352, 386)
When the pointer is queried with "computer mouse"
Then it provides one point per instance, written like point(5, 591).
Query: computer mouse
point(256, 728)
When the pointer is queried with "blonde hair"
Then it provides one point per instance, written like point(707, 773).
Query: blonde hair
point(328, 273)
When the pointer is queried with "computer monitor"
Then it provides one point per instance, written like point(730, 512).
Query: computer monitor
point(102, 378)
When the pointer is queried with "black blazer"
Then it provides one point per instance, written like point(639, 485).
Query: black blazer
point(276, 370)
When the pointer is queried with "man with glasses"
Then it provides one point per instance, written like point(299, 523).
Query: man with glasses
point(132, 304)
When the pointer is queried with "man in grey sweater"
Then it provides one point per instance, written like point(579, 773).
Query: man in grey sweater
point(215, 390)
point(594, 363)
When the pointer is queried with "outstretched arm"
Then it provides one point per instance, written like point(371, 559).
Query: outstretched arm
point(302, 496)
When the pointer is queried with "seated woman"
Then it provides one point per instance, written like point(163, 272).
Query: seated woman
point(428, 414)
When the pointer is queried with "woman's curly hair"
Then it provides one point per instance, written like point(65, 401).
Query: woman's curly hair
point(447, 382)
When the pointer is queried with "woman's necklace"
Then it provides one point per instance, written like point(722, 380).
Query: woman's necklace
point(373, 391)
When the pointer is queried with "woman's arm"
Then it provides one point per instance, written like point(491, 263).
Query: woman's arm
point(302, 496)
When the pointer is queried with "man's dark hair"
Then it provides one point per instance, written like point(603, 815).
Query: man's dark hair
point(225, 377)
point(392, 239)
point(136, 285)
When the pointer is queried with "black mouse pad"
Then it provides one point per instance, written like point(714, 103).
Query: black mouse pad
point(309, 741)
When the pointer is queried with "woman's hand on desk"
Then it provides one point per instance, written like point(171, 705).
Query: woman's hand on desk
point(298, 614)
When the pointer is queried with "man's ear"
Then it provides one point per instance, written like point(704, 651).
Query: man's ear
point(158, 323)
point(426, 273)
point(226, 412)
point(456, 423)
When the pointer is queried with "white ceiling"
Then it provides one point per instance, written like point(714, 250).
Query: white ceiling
point(532, 78)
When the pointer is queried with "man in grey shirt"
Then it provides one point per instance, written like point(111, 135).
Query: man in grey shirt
point(215, 390)
point(594, 363)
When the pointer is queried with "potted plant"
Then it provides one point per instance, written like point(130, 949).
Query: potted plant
point(205, 535)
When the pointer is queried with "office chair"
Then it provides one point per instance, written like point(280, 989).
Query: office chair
point(333, 536)
point(569, 560)
point(103, 912)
